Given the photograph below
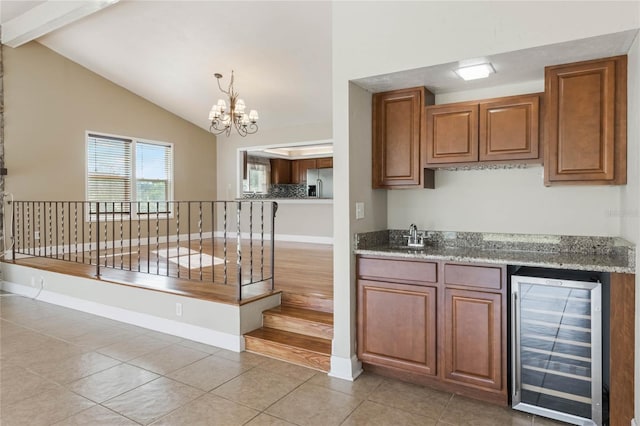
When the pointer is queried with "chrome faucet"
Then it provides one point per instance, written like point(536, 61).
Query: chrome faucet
point(415, 238)
point(413, 232)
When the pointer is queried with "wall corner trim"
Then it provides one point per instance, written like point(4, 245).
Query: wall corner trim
point(345, 368)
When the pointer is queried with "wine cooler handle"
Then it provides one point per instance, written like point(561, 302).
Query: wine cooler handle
point(515, 343)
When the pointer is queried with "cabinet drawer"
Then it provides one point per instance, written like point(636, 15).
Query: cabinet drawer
point(473, 276)
point(398, 270)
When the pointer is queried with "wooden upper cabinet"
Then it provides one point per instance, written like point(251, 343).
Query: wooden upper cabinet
point(280, 171)
point(509, 128)
point(586, 122)
point(397, 161)
point(500, 129)
point(324, 163)
point(299, 169)
point(452, 133)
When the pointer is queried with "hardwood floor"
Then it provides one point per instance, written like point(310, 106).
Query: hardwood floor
point(300, 268)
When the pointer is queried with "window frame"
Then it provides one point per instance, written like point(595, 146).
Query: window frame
point(134, 214)
point(267, 177)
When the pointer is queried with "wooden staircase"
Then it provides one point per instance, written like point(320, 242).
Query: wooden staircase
point(298, 331)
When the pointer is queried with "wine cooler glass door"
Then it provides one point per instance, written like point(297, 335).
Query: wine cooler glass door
point(556, 342)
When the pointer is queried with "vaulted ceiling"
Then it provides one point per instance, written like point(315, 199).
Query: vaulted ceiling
point(168, 51)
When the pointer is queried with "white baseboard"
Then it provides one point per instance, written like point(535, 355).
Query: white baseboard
point(180, 329)
point(280, 237)
point(345, 368)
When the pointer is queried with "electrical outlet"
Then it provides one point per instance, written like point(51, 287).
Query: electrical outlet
point(359, 210)
point(179, 309)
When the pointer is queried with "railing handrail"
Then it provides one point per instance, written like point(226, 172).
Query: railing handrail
point(102, 219)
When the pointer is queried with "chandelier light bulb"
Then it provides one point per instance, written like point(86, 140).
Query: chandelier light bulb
point(240, 106)
point(253, 115)
point(222, 105)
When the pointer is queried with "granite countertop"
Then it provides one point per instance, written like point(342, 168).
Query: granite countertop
point(600, 254)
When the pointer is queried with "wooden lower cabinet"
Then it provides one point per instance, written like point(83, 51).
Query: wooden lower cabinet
point(397, 325)
point(435, 323)
point(473, 338)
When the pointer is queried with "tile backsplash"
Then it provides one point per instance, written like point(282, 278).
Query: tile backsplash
point(281, 191)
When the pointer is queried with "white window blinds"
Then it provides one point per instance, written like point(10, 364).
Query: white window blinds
point(113, 180)
point(109, 174)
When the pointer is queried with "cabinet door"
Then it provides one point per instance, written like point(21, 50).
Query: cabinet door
point(324, 163)
point(397, 326)
point(509, 128)
point(396, 138)
point(280, 171)
point(452, 133)
point(474, 347)
point(585, 126)
point(299, 170)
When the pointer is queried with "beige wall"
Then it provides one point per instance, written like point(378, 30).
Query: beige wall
point(50, 102)
point(294, 220)
point(373, 38)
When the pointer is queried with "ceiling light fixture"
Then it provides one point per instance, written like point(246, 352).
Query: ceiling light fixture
point(474, 72)
point(223, 118)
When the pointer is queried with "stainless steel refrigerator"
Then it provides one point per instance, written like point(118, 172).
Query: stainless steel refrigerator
point(322, 179)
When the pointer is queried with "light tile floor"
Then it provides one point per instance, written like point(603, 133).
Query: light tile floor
point(65, 367)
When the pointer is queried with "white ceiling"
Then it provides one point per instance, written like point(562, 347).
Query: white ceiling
point(167, 52)
point(511, 67)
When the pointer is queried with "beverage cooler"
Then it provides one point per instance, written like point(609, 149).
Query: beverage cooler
point(556, 346)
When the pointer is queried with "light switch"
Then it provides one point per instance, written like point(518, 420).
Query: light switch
point(359, 210)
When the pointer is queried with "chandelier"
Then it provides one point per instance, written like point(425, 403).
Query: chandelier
point(223, 118)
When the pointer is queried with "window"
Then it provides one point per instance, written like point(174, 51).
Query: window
point(153, 176)
point(112, 177)
point(258, 175)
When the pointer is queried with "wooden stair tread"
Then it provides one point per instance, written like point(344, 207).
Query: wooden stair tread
point(302, 314)
point(287, 338)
